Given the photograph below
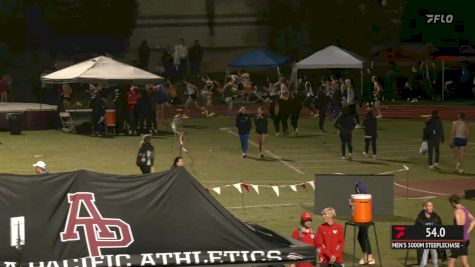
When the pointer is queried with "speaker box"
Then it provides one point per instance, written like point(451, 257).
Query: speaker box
point(470, 193)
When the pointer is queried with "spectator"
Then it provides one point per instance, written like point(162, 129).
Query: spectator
point(196, 55)
point(180, 58)
point(323, 100)
point(144, 55)
point(167, 62)
point(435, 135)
point(98, 106)
point(330, 240)
point(309, 101)
point(377, 95)
point(145, 111)
point(243, 123)
point(178, 162)
point(306, 234)
point(146, 154)
point(370, 133)
point(3, 89)
point(363, 239)
point(458, 136)
point(132, 100)
point(295, 106)
point(345, 123)
point(40, 167)
point(335, 97)
point(350, 101)
point(461, 217)
point(428, 217)
point(284, 112)
point(261, 130)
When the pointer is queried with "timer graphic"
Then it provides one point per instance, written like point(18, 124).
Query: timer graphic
point(426, 237)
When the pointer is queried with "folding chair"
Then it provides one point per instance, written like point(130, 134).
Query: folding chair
point(67, 122)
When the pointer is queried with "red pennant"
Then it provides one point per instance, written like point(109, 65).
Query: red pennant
point(207, 190)
point(303, 185)
point(245, 186)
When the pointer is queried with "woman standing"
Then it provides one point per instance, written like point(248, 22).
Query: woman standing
point(146, 154)
point(261, 130)
point(370, 133)
point(345, 123)
point(459, 136)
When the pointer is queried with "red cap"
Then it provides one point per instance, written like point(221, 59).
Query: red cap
point(306, 216)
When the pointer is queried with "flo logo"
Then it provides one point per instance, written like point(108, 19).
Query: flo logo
point(400, 231)
point(439, 18)
point(99, 232)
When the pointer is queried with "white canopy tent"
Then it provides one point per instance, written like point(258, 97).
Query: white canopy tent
point(102, 70)
point(333, 57)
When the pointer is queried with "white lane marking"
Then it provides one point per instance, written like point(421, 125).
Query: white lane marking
point(405, 168)
point(268, 152)
point(423, 191)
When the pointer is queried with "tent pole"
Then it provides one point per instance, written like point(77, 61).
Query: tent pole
point(278, 72)
point(443, 79)
point(361, 84)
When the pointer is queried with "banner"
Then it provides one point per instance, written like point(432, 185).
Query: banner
point(89, 219)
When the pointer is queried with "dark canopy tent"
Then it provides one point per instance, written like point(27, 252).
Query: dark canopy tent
point(84, 218)
point(258, 59)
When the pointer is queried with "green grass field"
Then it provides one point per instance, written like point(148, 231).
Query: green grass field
point(214, 158)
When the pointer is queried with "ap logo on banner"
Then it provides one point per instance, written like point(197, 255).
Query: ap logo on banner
point(98, 231)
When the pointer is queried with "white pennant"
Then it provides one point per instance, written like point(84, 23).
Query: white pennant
point(276, 190)
point(293, 187)
point(238, 187)
point(217, 190)
point(312, 184)
point(256, 188)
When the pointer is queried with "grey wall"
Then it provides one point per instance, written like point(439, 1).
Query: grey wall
point(335, 190)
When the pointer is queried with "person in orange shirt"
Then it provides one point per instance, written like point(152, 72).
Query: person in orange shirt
point(305, 233)
point(330, 240)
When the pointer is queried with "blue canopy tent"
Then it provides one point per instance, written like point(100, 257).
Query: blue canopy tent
point(258, 59)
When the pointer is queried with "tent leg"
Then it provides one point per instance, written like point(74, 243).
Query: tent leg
point(361, 86)
point(278, 72)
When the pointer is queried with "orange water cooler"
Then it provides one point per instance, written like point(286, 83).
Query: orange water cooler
point(362, 208)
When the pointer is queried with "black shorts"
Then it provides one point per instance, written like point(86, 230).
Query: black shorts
point(455, 253)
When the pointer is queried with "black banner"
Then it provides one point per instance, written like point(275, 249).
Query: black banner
point(89, 219)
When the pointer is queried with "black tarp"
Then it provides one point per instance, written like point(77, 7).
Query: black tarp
point(84, 218)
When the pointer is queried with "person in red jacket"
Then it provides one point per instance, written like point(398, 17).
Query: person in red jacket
point(330, 240)
point(305, 233)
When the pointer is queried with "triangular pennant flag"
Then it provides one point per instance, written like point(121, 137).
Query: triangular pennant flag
point(293, 187)
point(312, 184)
point(238, 187)
point(256, 188)
point(207, 190)
point(303, 185)
point(217, 190)
point(276, 190)
point(245, 186)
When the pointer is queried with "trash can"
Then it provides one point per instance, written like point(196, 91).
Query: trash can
point(15, 122)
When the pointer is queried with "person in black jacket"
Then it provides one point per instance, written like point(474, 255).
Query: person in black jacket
point(146, 154)
point(370, 133)
point(98, 106)
point(323, 99)
point(295, 106)
point(435, 134)
point(345, 123)
point(261, 130)
point(243, 123)
point(428, 217)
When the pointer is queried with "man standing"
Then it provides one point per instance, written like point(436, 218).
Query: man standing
point(461, 217)
point(40, 167)
point(144, 55)
point(181, 58)
point(243, 123)
point(330, 240)
point(305, 233)
point(428, 217)
point(435, 135)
